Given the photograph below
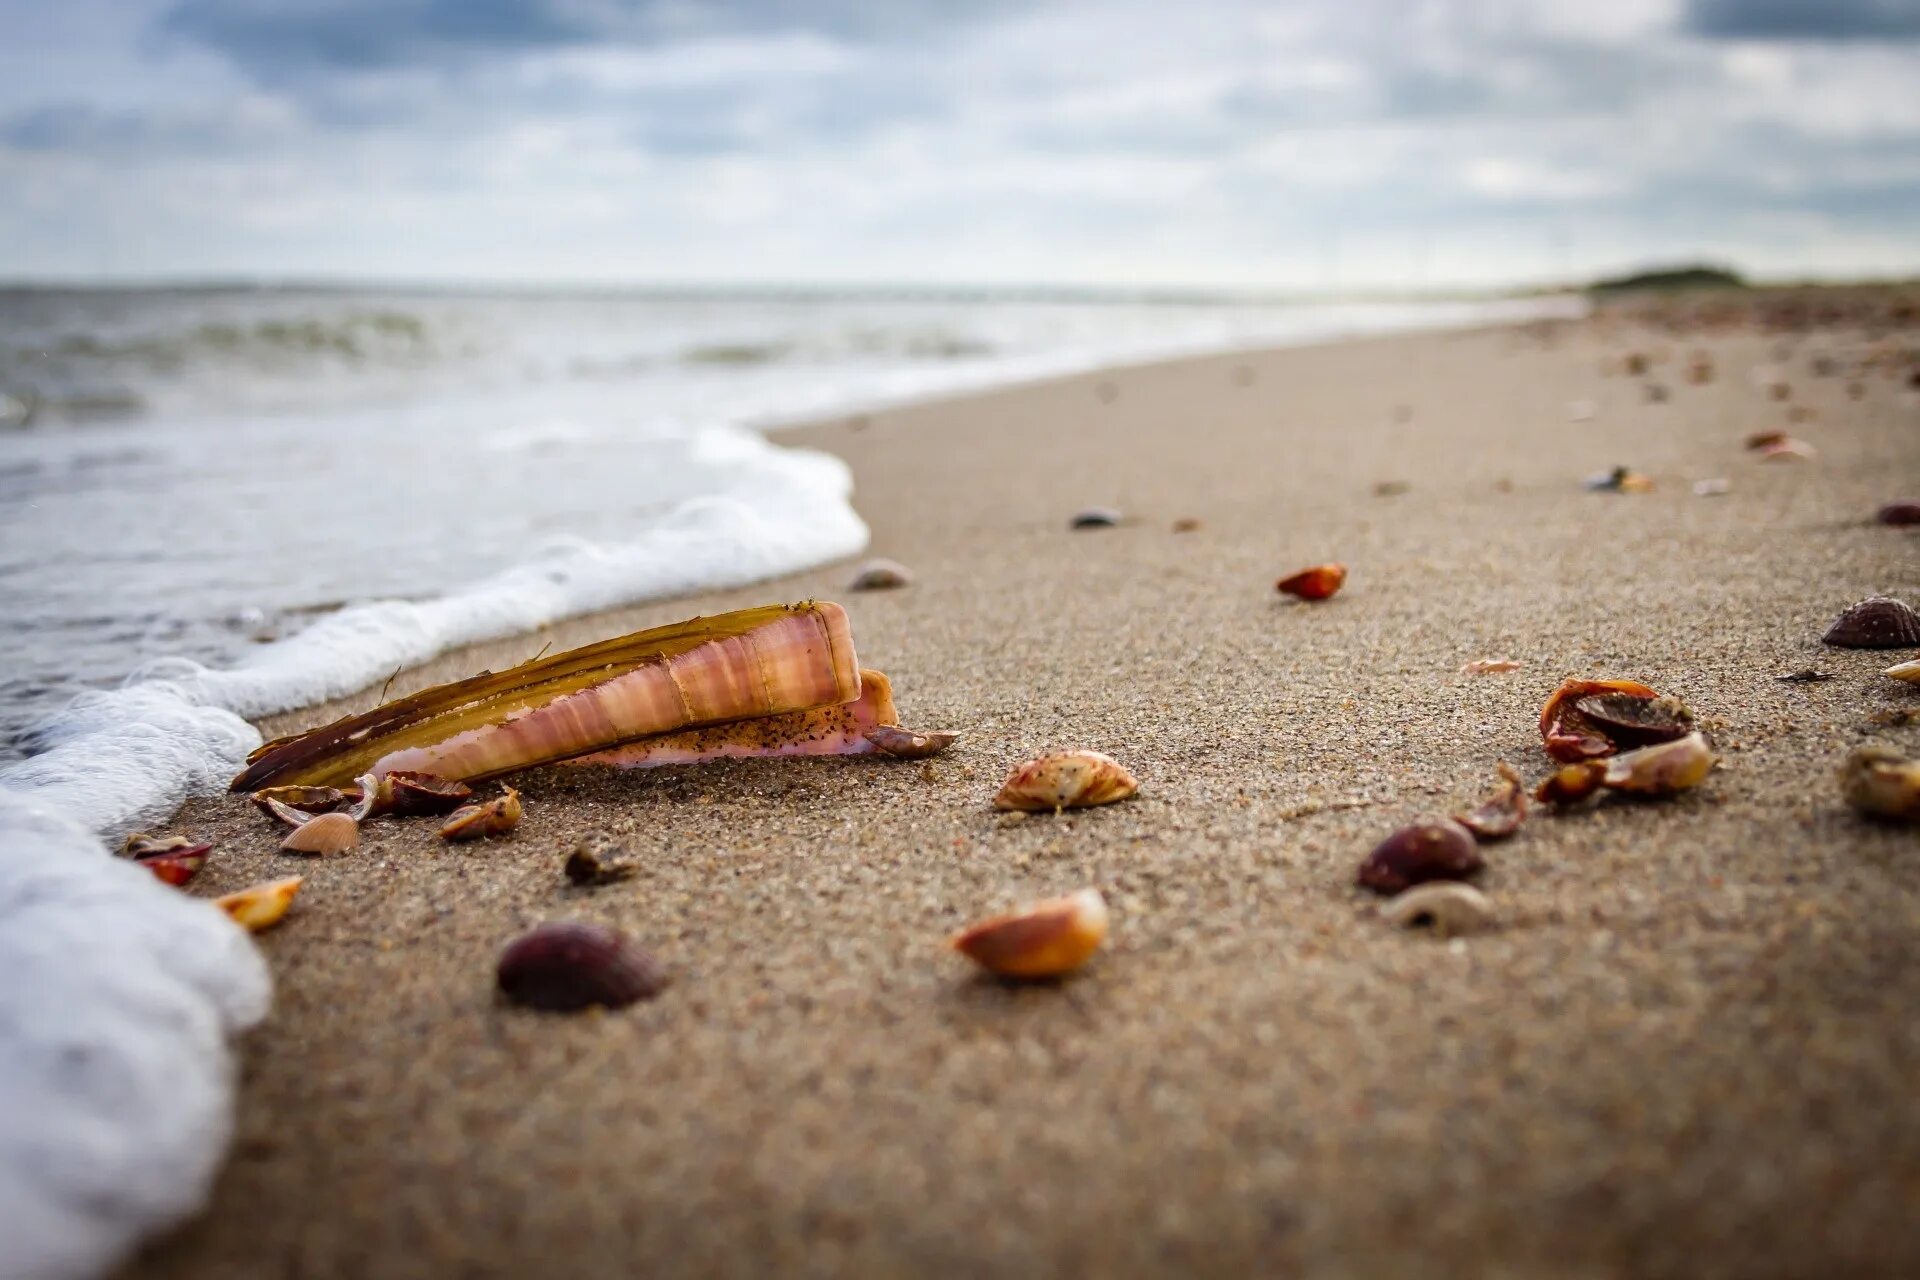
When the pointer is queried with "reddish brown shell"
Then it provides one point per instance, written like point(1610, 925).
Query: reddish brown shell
point(1500, 814)
point(1880, 622)
point(1905, 511)
point(172, 859)
point(307, 800)
point(1437, 849)
point(1317, 583)
point(567, 966)
point(1628, 720)
point(1042, 940)
point(412, 794)
point(1569, 735)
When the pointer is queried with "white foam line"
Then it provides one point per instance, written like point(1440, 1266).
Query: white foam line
point(121, 994)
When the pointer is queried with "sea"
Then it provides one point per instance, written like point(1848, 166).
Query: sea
point(192, 474)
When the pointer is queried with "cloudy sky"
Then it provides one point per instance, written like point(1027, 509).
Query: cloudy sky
point(1282, 144)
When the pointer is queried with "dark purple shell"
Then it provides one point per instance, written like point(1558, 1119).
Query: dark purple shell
point(1880, 622)
point(1438, 849)
point(1903, 512)
point(568, 966)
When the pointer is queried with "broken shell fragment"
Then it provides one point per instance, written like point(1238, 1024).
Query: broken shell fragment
point(305, 800)
point(1807, 675)
point(1095, 518)
point(1880, 622)
point(1437, 849)
point(1065, 780)
point(1904, 512)
point(1630, 721)
point(1571, 783)
point(1566, 730)
point(1620, 480)
point(494, 818)
point(1490, 666)
point(407, 793)
point(598, 861)
point(172, 859)
point(1042, 940)
point(1908, 671)
point(1788, 450)
point(1450, 907)
point(880, 575)
point(261, 906)
point(323, 834)
point(905, 744)
point(1882, 783)
point(1664, 769)
point(288, 814)
point(1317, 583)
point(568, 966)
point(1500, 814)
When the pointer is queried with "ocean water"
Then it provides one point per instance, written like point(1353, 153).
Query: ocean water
point(195, 473)
point(218, 504)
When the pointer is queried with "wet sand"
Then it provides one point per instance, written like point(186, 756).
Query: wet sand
point(1691, 1049)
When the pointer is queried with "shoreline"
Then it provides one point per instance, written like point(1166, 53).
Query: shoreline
point(1228, 1086)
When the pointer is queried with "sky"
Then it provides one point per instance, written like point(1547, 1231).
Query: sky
point(1293, 144)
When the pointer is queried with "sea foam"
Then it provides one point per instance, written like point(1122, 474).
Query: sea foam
point(122, 994)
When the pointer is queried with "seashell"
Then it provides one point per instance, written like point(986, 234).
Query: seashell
point(1065, 780)
point(323, 834)
point(596, 860)
point(1619, 480)
point(1571, 783)
point(839, 730)
point(261, 906)
point(1450, 907)
point(905, 744)
point(1042, 940)
point(406, 793)
point(494, 818)
point(303, 800)
point(1788, 450)
point(1664, 769)
point(1500, 814)
point(1094, 518)
point(1317, 583)
point(880, 575)
point(293, 817)
point(1905, 511)
point(1880, 622)
point(1714, 488)
point(1630, 721)
point(1568, 733)
point(1882, 783)
point(736, 666)
point(1436, 849)
point(567, 966)
point(1908, 671)
point(1762, 439)
point(172, 859)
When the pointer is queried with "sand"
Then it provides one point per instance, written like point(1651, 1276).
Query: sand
point(1690, 1049)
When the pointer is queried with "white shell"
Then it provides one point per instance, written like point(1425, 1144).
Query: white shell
point(1450, 907)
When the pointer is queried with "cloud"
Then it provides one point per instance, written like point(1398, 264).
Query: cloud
point(1065, 140)
point(1805, 19)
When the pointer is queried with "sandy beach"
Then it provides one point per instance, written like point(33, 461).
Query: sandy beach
point(1690, 1048)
